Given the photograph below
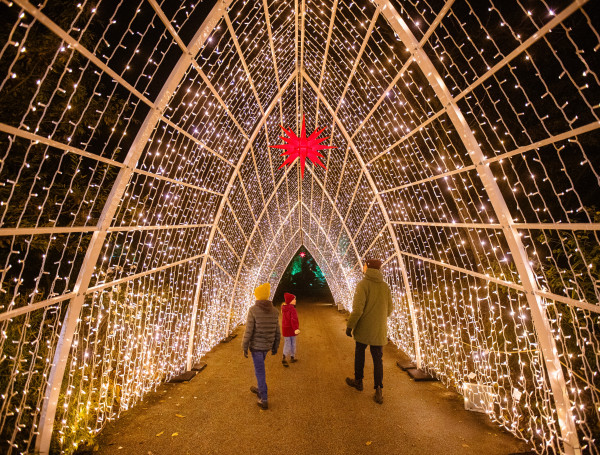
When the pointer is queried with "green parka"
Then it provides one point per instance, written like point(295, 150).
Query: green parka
point(371, 307)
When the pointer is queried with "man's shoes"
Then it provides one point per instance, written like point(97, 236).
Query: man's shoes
point(285, 363)
point(254, 389)
point(262, 404)
point(293, 360)
point(358, 385)
point(378, 397)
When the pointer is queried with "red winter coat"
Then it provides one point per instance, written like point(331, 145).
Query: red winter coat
point(289, 320)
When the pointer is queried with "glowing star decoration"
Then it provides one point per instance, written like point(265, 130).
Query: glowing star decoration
point(302, 254)
point(303, 147)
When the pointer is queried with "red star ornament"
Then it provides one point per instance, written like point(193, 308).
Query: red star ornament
point(302, 147)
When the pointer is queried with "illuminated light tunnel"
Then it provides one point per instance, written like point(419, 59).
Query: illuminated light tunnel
point(139, 194)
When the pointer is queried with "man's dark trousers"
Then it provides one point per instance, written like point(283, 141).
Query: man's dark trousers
point(359, 363)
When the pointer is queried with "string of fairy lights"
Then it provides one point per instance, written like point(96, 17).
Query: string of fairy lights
point(207, 213)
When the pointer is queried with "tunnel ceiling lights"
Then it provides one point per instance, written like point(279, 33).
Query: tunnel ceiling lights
point(141, 201)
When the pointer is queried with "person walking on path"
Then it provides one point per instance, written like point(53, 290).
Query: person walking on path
point(289, 327)
point(261, 336)
point(371, 307)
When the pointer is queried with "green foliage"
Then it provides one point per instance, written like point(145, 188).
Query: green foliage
point(304, 279)
point(576, 264)
point(45, 187)
point(27, 342)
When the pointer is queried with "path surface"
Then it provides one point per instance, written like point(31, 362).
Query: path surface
point(311, 409)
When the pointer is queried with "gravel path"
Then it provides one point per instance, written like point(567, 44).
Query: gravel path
point(311, 409)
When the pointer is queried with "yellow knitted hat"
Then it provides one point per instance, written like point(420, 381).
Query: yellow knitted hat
point(263, 292)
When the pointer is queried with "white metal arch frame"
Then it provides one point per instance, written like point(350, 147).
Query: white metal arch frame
point(256, 224)
point(508, 227)
point(61, 354)
point(536, 304)
point(225, 197)
point(388, 224)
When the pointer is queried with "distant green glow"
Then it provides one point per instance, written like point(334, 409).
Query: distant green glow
point(303, 278)
point(296, 266)
point(319, 275)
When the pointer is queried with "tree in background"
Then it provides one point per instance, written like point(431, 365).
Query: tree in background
point(304, 279)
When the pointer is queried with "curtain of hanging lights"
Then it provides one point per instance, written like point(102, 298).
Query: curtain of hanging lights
point(140, 202)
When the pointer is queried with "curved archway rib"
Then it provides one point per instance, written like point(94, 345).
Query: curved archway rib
point(537, 306)
point(389, 226)
point(234, 174)
point(383, 211)
point(94, 248)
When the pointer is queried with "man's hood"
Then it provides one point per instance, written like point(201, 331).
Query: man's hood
point(374, 275)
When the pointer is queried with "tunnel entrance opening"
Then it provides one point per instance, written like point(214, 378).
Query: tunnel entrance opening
point(303, 278)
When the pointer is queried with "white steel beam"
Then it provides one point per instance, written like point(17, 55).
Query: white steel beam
point(67, 148)
point(249, 240)
point(537, 306)
point(237, 221)
point(249, 204)
point(381, 231)
point(246, 195)
point(501, 64)
point(69, 326)
point(243, 61)
point(302, 35)
point(334, 211)
point(36, 138)
point(234, 174)
point(228, 244)
point(44, 230)
point(535, 226)
point(43, 19)
point(452, 225)
point(125, 279)
point(287, 244)
point(404, 68)
point(332, 278)
point(594, 308)
point(360, 174)
point(297, 65)
point(518, 151)
point(367, 213)
point(332, 247)
point(358, 57)
point(385, 215)
point(344, 271)
point(539, 34)
point(430, 119)
point(325, 181)
point(338, 186)
point(272, 45)
point(275, 238)
point(326, 54)
point(195, 64)
point(35, 306)
point(218, 264)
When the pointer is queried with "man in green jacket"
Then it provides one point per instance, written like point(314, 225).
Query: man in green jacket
point(371, 307)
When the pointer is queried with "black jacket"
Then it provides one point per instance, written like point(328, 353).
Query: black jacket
point(262, 328)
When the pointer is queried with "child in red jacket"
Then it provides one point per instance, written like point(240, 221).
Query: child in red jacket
point(289, 327)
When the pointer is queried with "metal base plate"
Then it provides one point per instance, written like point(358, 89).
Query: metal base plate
point(227, 339)
point(419, 375)
point(183, 377)
point(405, 364)
point(199, 366)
